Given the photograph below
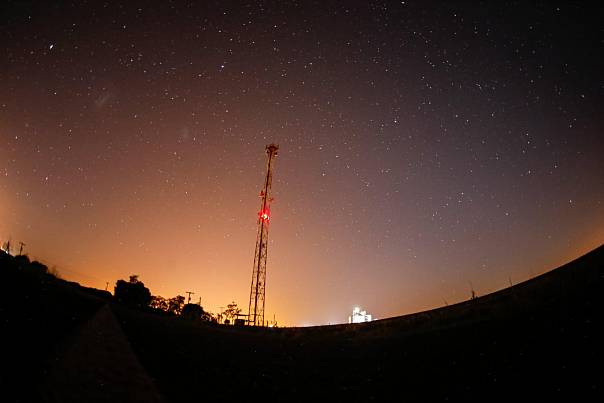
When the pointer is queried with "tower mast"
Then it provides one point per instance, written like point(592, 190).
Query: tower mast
point(257, 289)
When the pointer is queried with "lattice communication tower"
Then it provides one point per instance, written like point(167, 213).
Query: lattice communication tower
point(258, 287)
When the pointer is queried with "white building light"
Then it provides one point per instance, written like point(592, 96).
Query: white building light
point(359, 316)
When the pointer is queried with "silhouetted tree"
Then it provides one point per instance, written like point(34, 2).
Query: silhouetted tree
point(159, 303)
point(175, 304)
point(53, 271)
point(196, 312)
point(22, 261)
point(208, 317)
point(192, 312)
point(231, 312)
point(42, 268)
point(132, 293)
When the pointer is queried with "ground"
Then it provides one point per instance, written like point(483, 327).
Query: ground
point(540, 339)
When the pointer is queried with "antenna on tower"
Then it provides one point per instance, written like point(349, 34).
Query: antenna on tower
point(21, 245)
point(258, 287)
point(189, 292)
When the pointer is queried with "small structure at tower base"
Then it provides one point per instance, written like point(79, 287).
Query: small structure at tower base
point(359, 316)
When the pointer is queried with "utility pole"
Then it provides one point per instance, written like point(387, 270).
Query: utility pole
point(21, 245)
point(189, 292)
point(258, 286)
point(221, 317)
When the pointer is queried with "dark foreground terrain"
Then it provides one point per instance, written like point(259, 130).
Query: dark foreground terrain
point(538, 340)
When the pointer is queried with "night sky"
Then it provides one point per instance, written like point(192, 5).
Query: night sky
point(425, 148)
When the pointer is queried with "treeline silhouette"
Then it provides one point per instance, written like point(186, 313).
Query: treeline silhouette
point(41, 313)
point(132, 292)
point(22, 265)
point(22, 262)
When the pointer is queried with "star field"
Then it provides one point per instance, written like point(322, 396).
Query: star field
point(425, 148)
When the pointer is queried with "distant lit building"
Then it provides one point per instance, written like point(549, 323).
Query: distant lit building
point(359, 316)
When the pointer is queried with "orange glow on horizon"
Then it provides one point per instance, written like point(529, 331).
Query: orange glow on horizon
point(406, 171)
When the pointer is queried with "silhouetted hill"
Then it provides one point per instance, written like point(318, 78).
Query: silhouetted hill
point(538, 340)
point(575, 286)
point(38, 314)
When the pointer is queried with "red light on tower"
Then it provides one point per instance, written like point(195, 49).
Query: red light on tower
point(264, 215)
